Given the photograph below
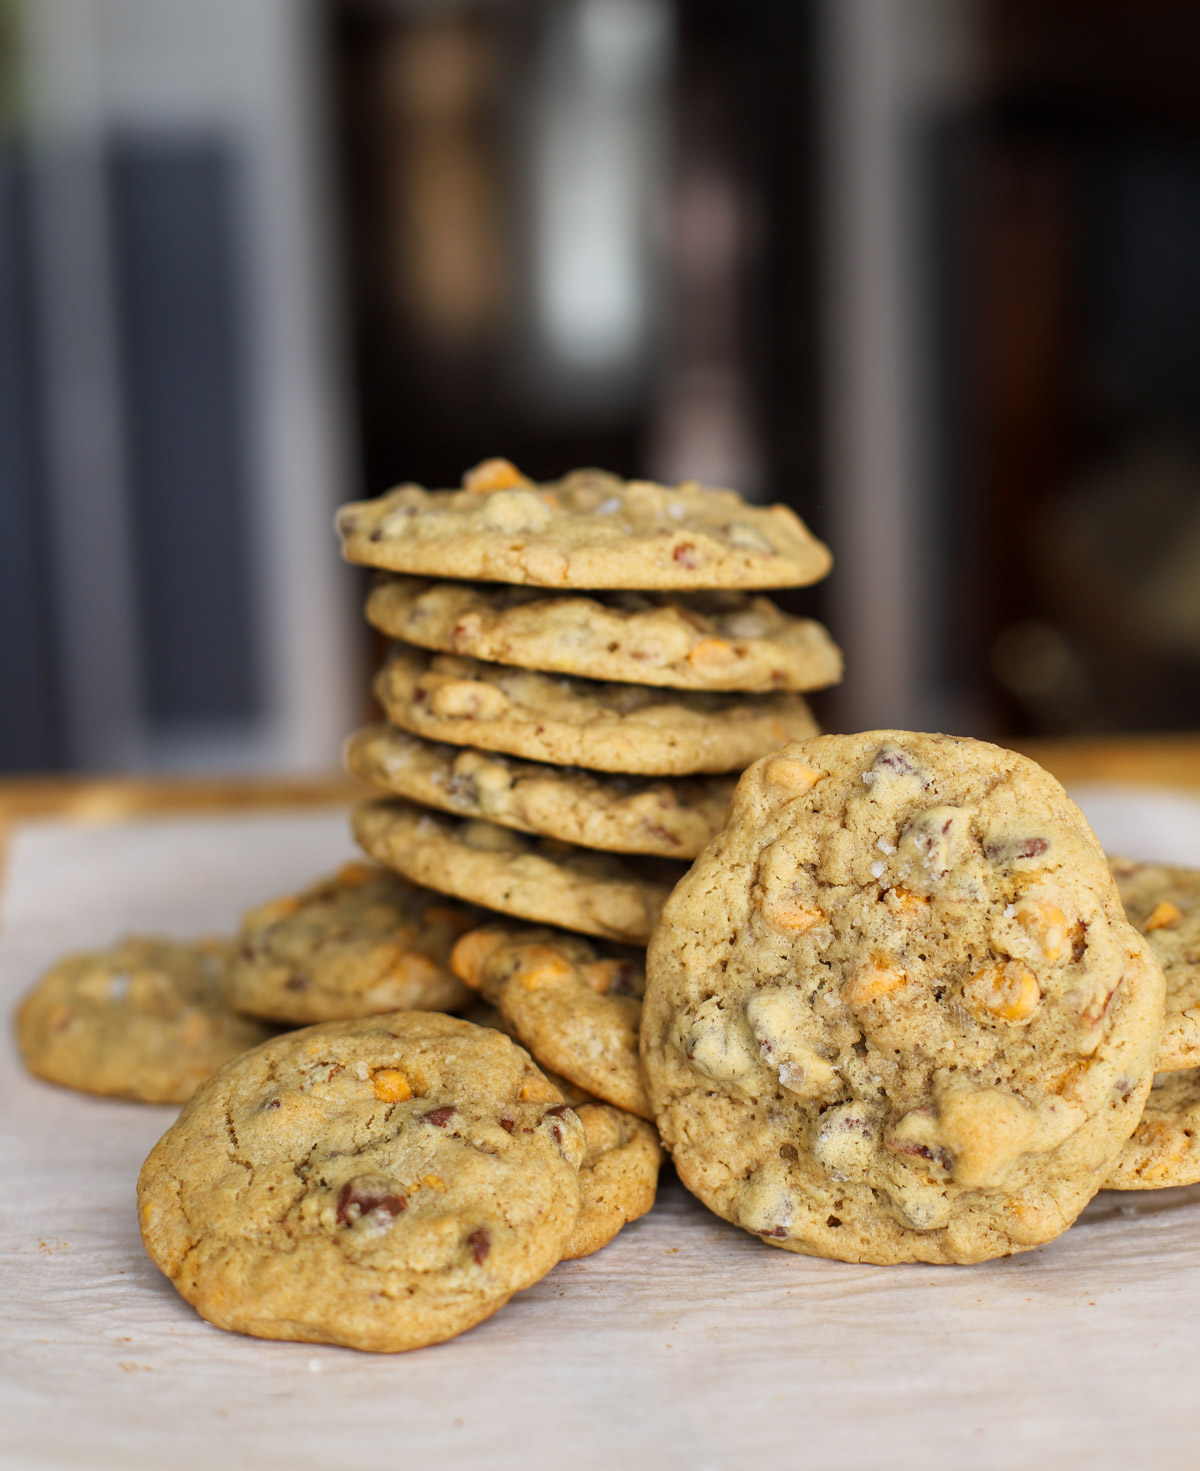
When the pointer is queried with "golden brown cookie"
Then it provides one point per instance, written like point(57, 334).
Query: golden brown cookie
point(381, 1183)
point(688, 641)
point(588, 530)
point(536, 879)
point(895, 1011)
point(619, 814)
point(618, 1178)
point(144, 1019)
point(575, 1005)
point(1163, 901)
point(1165, 1147)
point(360, 942)
point(627, 728)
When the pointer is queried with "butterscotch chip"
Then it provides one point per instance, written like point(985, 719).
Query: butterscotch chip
point(943, 1081)
point(144, 1019)
point(290, 1201)
point(359, 942)
point(1163, 901)
point(536, 879)
point(689, 641)
point(576, 1005)
point(1164, 1149)
point(618, 1179)
point(633, 729)
point(588, 530)
point(621, 814)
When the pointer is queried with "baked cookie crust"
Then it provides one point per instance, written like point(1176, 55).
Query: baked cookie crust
point(1163, 902)
point(144, 1019)
point(531, 878)
point(690, 641)
point(591, 529)
point(634, 730)
point(895, 1012)
point(360, 942)
point(576, 1005)
point(382, 1183)
point(618, 814)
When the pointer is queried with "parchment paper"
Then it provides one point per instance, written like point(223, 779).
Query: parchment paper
point(684, 1344)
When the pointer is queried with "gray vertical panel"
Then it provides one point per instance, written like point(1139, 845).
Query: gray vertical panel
point(28, 728)
point(182, 361)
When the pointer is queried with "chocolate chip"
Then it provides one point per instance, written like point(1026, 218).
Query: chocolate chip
point(508, 1125)
point(911, 1147)
point(557, 1111)
point(1031, 848)
point(480, 1242)
point(775, 1231)
point(271, 1103)
point(440, 1116)
point(789, 1152)
point(356, 1199)
point(833, 1221)
point(377, 534)
point(556, 1133)
point(892, 759)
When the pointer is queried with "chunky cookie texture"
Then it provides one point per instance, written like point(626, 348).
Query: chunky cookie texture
point(144, 1019)
point(620, 814)
point(381, 1183)
point(618, 1179)
point(632, 729)
point(588, 530)
point(690, 641)
point(895, 1011)
point(1163, 901)
point(537, 879)
point(1165, 1147)
point(577, 1007)
point(358, 943)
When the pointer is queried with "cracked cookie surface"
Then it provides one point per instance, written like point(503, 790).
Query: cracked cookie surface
point(360, 942)
point(532, 878)
point(618, 1179)
point(627, 728)
point(895, 1011)
point(577, 1006)
point(382, 1183)
point(1163, 902)
point(144, 1019)
point(620, 814)
point(591, 529)
point(1164, 1149)
point(696, 641)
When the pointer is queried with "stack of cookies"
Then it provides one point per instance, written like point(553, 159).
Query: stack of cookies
point(564, 729)
point(567, 701)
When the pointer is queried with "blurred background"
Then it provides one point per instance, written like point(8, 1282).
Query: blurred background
point(927, 270)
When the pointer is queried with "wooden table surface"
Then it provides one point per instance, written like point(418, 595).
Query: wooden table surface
point(1161, 760)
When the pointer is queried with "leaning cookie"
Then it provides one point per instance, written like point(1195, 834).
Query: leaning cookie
point(1163, 901)
point(619, 814)
point(537, 879)
point(618, 1179)
point(895, 1011)
point(1164, 1149)
point(689, 641)
point(576, 1006)
point(588, 530)
point(360, 942)
point(144, 1019)
point(633, 729)
point(382, 1183)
